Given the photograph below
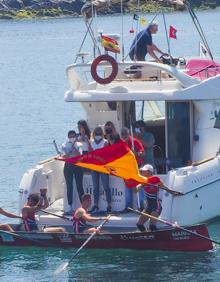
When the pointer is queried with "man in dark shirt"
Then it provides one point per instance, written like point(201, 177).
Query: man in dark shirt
point(143, 44)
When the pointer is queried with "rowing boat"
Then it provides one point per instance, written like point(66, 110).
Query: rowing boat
point(166, 239)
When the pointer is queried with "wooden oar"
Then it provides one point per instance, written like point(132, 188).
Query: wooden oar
point(54, 214)
point(64, 265)
point(176, 226)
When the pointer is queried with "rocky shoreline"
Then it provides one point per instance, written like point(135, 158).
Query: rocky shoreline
point(24, 9)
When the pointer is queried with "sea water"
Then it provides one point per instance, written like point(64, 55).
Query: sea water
point(33, 57)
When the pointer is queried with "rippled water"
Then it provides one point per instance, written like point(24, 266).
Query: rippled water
point(33, 57)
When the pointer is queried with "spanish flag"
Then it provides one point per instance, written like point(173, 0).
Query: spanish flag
point(116, 159)
point(110, 44)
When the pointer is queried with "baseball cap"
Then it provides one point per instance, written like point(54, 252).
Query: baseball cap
point(147, 167)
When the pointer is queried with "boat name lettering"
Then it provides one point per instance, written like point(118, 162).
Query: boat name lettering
point(179, 233)
point(133, 237)
point(100, 237)
point(204, 177)
point(187, 237)
point(114, 191)
point(65, 238)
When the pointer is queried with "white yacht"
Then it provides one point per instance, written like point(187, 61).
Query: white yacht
point(179, 104)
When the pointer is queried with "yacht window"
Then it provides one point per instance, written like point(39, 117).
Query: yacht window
point(150, 110)
point(178, 133)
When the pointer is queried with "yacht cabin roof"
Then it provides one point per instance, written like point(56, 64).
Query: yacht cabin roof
point(174, 84)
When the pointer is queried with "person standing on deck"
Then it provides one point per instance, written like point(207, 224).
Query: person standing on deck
point(143, 44)
point(84, 135)
point(99, 142)
point(71, 148)
point(147, 139)
point(110, 133)
point(138, 151)
point(81, 217)
point(151, 191)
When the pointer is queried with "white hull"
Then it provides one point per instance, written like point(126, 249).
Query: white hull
point(199, 183)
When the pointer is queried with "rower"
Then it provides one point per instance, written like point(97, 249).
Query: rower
point(153, 203)
point(35, 203)
point(81, 216)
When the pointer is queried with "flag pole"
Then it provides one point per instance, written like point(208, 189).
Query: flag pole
point(198, 27)
point(122, 33)
point(168, 40)
point(132, 142)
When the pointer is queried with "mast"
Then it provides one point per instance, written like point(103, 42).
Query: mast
point(197, 25)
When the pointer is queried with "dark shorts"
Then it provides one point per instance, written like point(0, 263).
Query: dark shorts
point(82, 229)
point(30, 225)
point(153, 205)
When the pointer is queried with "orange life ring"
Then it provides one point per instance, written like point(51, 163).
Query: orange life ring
point(113, 74)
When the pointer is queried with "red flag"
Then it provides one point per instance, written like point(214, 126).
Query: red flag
point(151, 180)
point(173, 32)
point(116, 159)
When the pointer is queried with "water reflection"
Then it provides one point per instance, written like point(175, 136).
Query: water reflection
point(38, 264)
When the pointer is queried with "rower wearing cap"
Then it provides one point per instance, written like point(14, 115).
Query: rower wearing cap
point(143, 44)
point(81, 216)
point(151, 190)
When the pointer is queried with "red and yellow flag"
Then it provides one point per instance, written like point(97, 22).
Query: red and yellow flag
point(110, 44)
point(116, 159)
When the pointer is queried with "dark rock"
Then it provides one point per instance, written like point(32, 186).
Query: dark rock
point(34, 7)
point(29, 2)
point(3, 6)
point(15, 4)
point(71, 6)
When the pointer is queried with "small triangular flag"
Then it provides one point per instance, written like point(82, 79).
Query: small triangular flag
point(172, 33)
point(142, 21)
point(135, 17)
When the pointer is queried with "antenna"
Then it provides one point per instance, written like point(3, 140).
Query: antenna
point(122, 33)
point(165, 26)
point(198, 27)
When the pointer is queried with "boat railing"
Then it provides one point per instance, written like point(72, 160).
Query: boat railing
point(203, 72)
point(80, 76)
point(48, 160)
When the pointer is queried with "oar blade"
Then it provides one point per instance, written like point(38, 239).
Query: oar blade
point(61, 268)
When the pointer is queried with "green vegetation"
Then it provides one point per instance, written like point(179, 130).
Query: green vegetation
point(145, 7)
point(155, 7)
point(31, 14)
